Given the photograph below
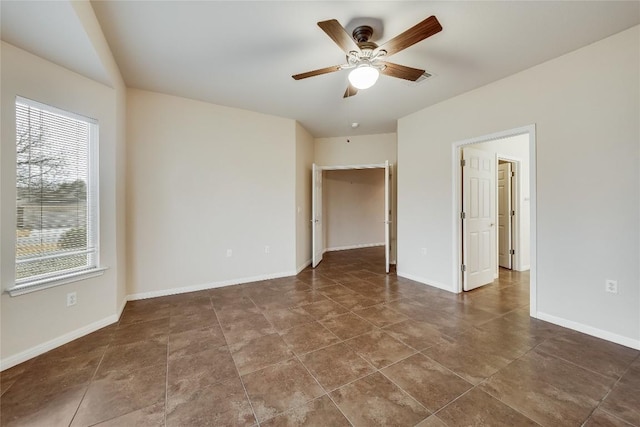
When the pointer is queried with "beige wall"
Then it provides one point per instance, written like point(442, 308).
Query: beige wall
point(586, 108)
point(304, 161)
point(202, 179)
point(363, 150)
point(354, 208)
point(38, 321)
point(88, 19)
point(355, 150)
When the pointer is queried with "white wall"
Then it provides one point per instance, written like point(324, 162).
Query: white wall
point(38, 321)
point(586, 108)
point(363, 150)
point(517, 147)
point(354, 208)
point(304, 161)
point(202, 179)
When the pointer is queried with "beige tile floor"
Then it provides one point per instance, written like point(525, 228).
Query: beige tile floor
point(344, 344)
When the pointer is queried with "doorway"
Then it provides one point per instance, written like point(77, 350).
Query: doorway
point(508, 181)
point(320, 206)
point(502, 149)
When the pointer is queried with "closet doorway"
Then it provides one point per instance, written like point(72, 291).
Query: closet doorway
point(354, 189)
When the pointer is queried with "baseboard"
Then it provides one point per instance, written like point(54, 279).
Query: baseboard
point(205, 286)
point(589, 330)
point(85, 330)
point(524, 267)
point(425, 281)
point(122, 306)
point(304, 265)
point(56, 342)
point(346, 248)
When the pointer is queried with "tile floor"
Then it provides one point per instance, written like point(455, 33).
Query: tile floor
point(343, 344)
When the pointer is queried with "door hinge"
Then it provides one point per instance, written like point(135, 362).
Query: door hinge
point(513, 213)
point(513, 174)
point(463, 215)
point(463, 268)
point(463, 162)
point(512, 251)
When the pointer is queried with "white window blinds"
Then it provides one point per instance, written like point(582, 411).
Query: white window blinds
point(57, 197)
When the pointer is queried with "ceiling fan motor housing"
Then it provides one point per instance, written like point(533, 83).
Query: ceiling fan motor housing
point(362, 33)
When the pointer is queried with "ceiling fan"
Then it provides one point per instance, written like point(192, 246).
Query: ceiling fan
point(367, 59)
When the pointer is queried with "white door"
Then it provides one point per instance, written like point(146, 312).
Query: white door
point(316, 216)
point(504, 215)
point(479, 207)
point(387, 222)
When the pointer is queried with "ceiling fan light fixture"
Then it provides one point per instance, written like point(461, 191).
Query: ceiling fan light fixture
point(363, 76)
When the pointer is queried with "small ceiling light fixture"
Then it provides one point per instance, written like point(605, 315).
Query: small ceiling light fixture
point(363, 76)
point(355, 125)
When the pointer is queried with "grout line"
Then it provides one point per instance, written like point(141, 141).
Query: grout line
point(86, 390)
point(326, 392)
point(610, 414)
point(166, 380)
point(246, 394)
point(608, 393)
point(405, 392)
point(484, 381)
point(450, 370)
point(615, 380)
point(94, 375)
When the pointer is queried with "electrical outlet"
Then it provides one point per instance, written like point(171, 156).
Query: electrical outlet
point(229, 252)
point(72, 299)
point(267, 249)
point(611, 286)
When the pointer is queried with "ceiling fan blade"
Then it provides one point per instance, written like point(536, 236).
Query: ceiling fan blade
point(413, 35)
point(339, 35)
point(401, 71)
point(351, 90)
point(317, 72)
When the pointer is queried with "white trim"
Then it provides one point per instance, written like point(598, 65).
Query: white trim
point(55, 110)
point(39, 349)
point(93, 268)
point(360, 246)
point(122, 306)
point(304, 265)
point(357, 167)
point(51, 282)
point(516, 204)
point(205, 286)
point(427, 282)
point(590, 330)
point(456, 204)
point(347, 167)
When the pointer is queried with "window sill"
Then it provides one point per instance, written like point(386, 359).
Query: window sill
point(26, 288)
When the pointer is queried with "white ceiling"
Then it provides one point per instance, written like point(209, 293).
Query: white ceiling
point(51, 30)
point(242, 54)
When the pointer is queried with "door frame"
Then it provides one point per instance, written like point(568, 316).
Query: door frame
point(457, 206)
point(386, 166)
point(516, 203)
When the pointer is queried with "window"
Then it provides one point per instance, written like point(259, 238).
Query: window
point(57, 195)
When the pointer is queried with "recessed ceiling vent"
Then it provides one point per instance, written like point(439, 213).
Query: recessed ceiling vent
point(423, 78)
